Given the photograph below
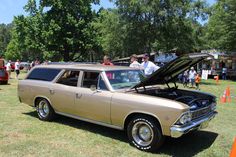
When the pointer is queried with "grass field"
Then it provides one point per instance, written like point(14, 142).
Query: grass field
point(22, 134)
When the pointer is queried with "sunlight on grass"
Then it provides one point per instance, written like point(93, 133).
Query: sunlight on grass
point(22, 134)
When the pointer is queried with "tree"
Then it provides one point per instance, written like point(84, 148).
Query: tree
point(110, 32)
point(25, 44)
point(54, 30)
point(5, 37)
point(69, 30)
point(145, 26)
point(221, 29)
point(66, 28)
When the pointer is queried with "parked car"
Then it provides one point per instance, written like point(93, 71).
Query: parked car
point(24, 65)
point(3, 73)
point(121, 98)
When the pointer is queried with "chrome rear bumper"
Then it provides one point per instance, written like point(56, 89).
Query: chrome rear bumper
point(177, 131)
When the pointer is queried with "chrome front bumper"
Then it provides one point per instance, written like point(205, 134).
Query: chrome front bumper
point(177, 131)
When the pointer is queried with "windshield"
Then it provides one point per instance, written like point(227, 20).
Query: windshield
point(122, 79)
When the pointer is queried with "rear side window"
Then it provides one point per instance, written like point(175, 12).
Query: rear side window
point(43, 74)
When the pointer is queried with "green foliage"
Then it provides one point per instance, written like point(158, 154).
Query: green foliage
point(144, 26)
point(54, 30)
point(66, 26)
point(69, 30)
point(221, 29)
point(5, 37)
point(25, 43)
point(110, 32)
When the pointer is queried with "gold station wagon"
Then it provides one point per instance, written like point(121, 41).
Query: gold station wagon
point(121, 98)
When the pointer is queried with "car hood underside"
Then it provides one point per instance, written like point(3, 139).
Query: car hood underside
point(171, 70)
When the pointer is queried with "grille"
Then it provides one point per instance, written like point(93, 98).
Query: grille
point(201, 112)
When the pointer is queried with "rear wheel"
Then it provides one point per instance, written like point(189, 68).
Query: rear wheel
point(145, 133)
point(44, 110)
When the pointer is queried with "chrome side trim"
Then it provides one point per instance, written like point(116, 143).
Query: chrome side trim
point(177, 131)
point(90, 121)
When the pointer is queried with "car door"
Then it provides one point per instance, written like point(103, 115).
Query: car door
point(93, 99)
point(63, 92)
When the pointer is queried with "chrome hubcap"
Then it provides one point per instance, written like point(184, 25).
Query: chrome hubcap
point(142, 133)
point(43, 109)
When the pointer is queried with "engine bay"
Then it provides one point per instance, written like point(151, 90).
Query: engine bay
point(194, 99)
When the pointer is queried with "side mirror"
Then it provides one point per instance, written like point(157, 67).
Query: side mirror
point(93, 87)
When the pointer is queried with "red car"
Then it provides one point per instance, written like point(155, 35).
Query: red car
point(3, 73)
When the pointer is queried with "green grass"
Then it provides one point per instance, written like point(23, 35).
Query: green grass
point(22, 134)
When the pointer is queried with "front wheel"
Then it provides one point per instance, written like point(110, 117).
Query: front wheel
point(145, 133)
point(44, 110)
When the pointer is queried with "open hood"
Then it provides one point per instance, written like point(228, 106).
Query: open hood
point(171, 70)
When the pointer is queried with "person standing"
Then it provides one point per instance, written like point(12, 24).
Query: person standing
point(224, 73)
point(134, 62)
point(32, 64)
point(192, 74)
point(17, 68)
point(149, 67)
point(197, 81)
point(107, 61)
point(37, 62)
point(8, 68)
point(185, 78)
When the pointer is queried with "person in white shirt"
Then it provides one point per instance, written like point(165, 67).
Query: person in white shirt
point(224, 73)
point(134, 62)
point(192, 73)
point(149, 67)
point(17, 68)
point(8, 68)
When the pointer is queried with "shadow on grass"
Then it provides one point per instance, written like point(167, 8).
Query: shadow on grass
point(104, 131)
point(208, 83)
point(5, 84)
point(186, 146)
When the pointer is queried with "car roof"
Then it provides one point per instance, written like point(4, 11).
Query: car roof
point(94, 67)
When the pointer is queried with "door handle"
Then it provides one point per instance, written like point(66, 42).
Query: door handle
point(78, 96)
point(51, 91)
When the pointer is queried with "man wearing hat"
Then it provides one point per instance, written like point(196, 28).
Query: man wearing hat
point(149, 67)
point(134, 62)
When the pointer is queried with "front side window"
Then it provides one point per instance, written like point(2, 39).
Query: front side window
point(43, 74)
point(69, 78)
point(93, 79)
point(121, 79)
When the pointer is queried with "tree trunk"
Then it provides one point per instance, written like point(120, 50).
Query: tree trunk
point(66, 56)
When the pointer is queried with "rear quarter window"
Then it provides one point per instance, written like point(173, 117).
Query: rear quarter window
point(43, 74)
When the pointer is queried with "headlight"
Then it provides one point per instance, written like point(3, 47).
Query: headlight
point(213, 106)
point(185, 118)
